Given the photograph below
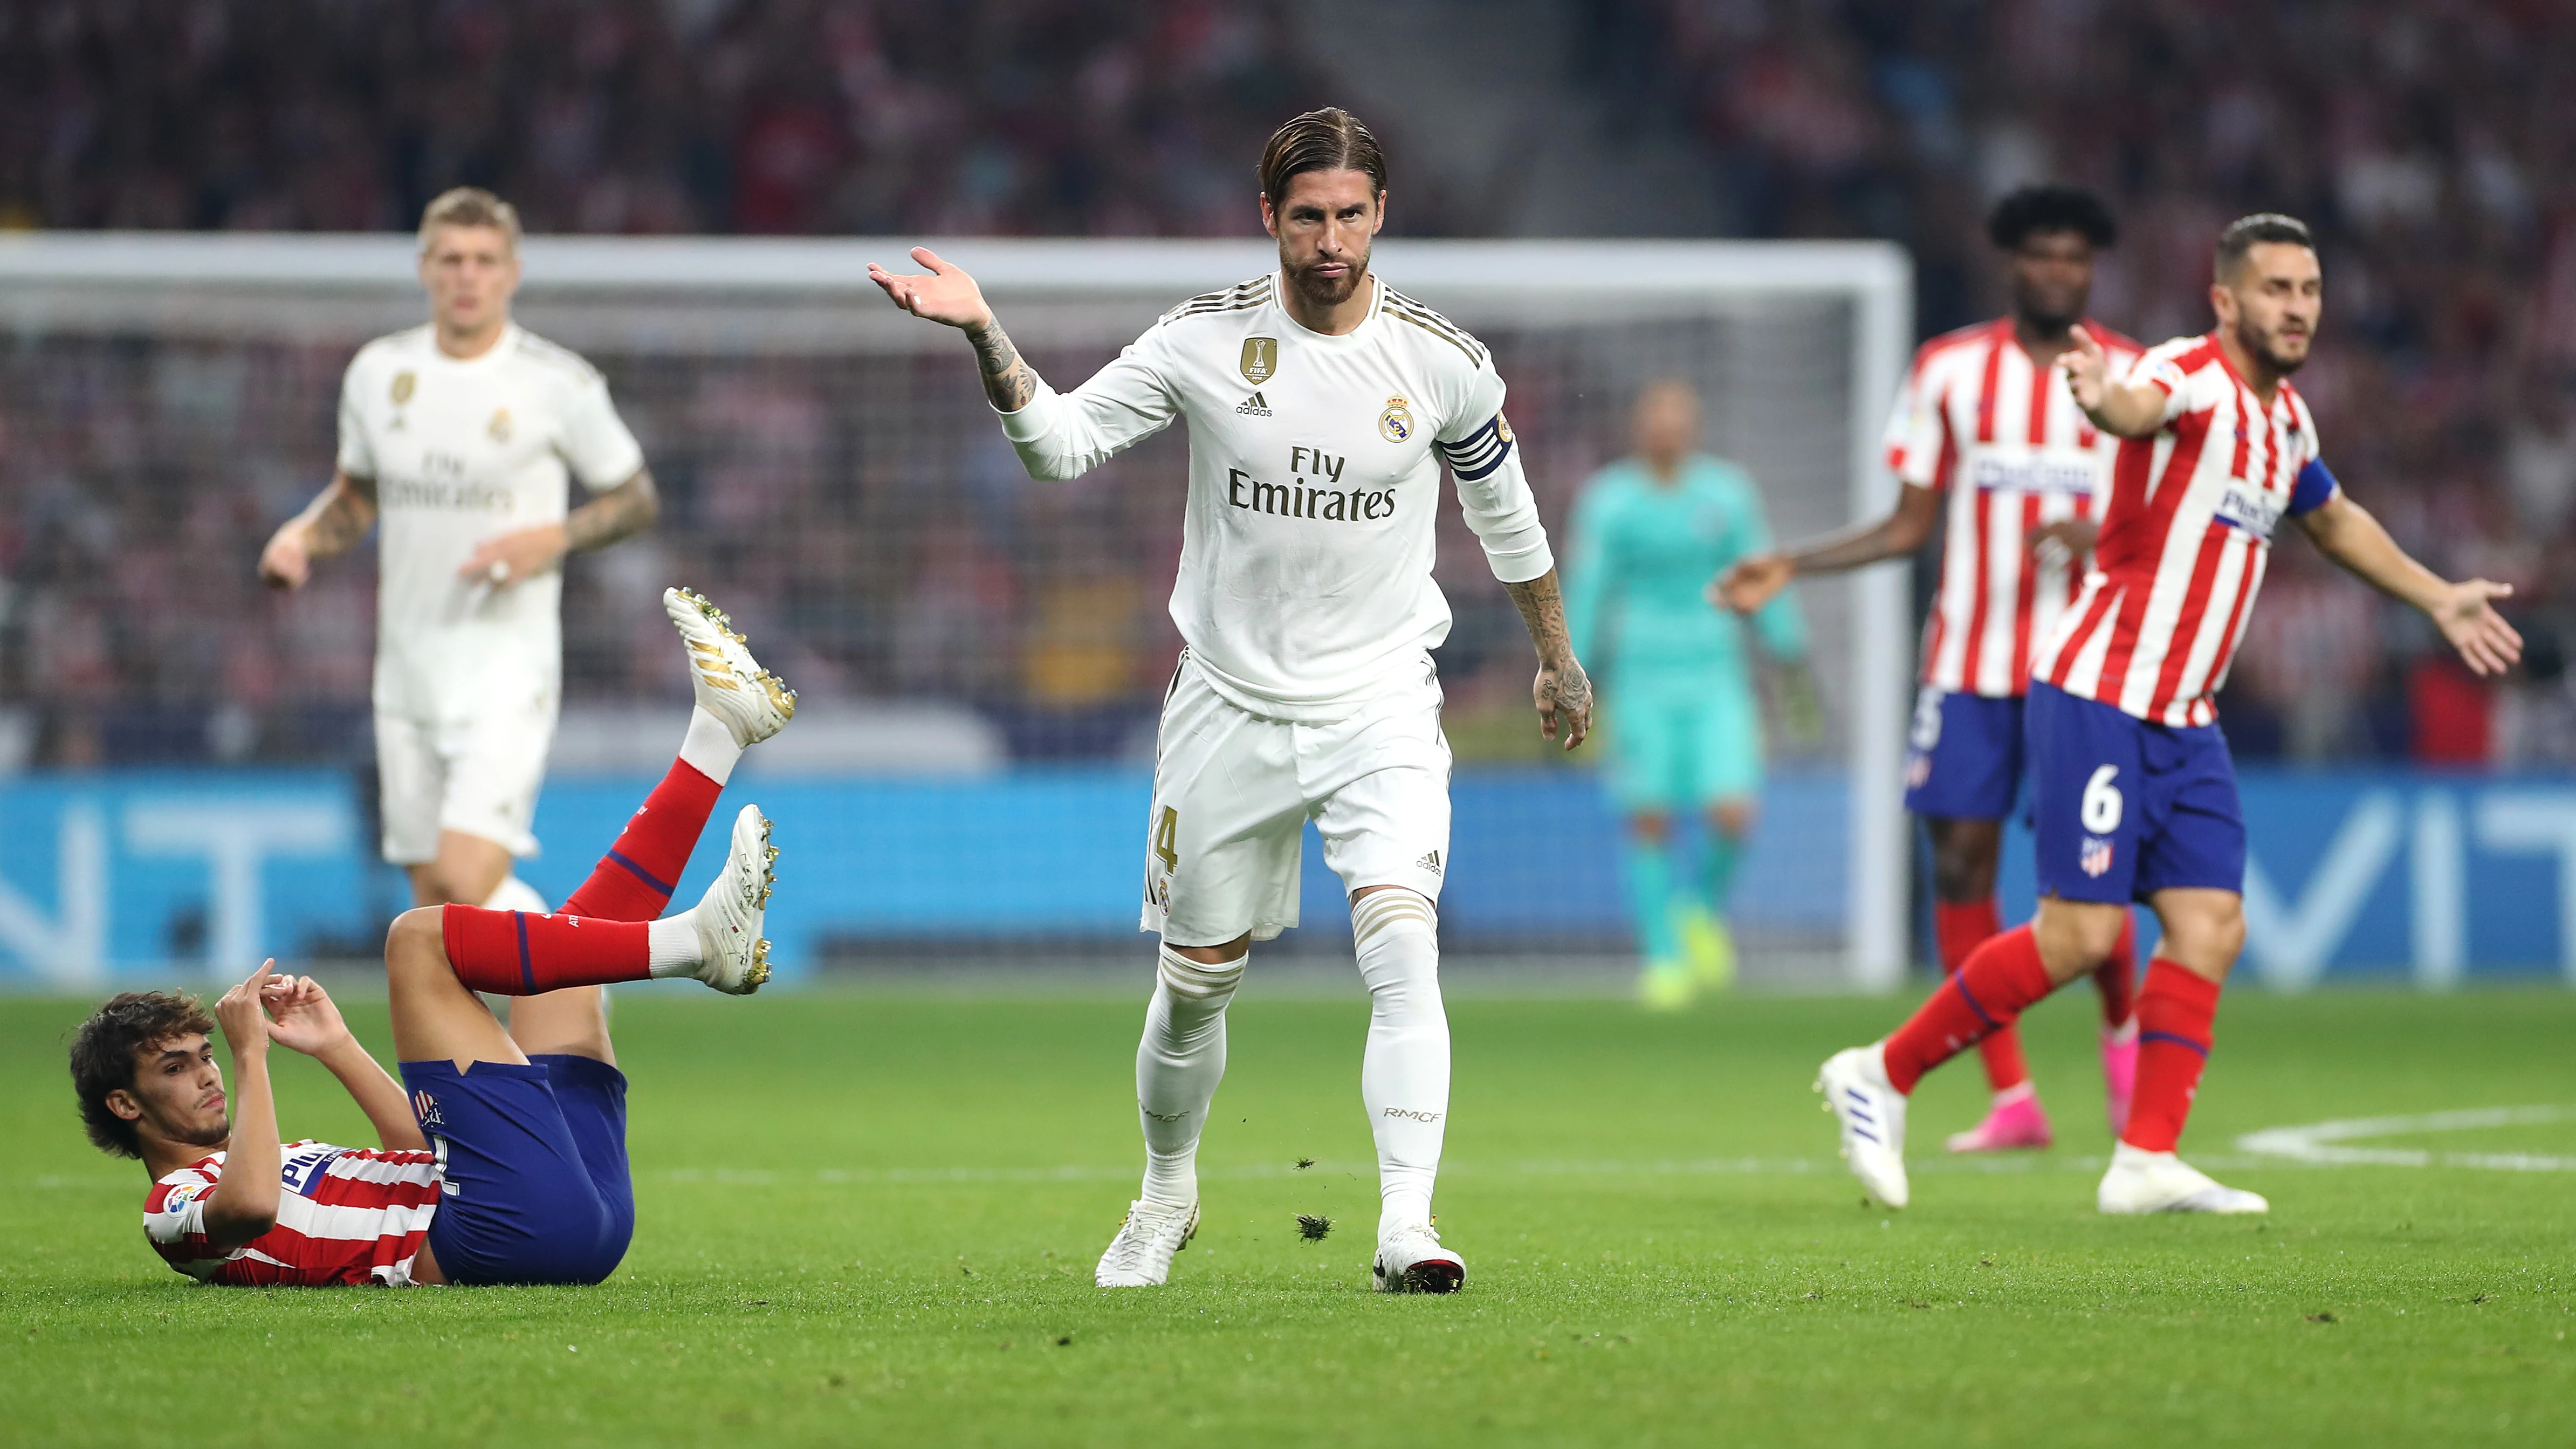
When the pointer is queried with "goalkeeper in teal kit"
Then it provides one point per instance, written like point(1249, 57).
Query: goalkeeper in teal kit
point(1684, 722)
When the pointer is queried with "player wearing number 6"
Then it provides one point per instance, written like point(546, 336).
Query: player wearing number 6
point(2134, 796)
point(1321, 405)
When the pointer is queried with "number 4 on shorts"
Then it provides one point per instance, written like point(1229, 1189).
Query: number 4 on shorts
point(1167, 839)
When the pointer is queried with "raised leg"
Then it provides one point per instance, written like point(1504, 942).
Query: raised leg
point(436, 1015)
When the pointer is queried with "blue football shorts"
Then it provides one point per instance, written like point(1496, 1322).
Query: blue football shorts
point(2122, 808)
point(535, 1186)
point(1963, 759)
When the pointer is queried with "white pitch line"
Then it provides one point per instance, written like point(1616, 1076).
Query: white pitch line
point(2314, 1143)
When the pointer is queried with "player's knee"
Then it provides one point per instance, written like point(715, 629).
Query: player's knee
point(1650, 828)
point(2076, 936)
point(1963, 859)
point(417, 941)
point(1194, 979)
point(2209, 938)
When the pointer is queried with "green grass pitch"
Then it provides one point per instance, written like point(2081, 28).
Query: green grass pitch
point(871, 1219)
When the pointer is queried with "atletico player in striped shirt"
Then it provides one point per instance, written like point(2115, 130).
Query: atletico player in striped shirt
point(2133, 793)
point(1987, 429)
point(503, 1156)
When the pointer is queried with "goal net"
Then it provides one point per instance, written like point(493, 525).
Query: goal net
point(980, 656)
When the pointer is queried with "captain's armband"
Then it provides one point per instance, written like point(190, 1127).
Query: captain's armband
point(1480, 452)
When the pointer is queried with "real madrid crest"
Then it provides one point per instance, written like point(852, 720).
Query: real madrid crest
point(1260, 359)
point(499, 427)
point(404, 382)
point(1396, 423)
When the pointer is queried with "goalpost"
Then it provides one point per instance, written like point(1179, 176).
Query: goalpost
point(783, 347)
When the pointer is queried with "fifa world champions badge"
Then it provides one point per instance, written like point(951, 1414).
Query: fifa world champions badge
point(1260, 359)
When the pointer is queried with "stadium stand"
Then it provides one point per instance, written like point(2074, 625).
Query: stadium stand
point(128, 513)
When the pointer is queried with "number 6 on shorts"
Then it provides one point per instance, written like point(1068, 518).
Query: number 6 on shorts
point(2100, 810)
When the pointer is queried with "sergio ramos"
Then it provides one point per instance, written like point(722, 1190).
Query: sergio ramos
point(1321, 404)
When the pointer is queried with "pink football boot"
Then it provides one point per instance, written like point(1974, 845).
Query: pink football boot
point(2015, 1121)
point(2119, 1071)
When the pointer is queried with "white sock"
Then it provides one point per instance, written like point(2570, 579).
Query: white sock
point(1404, 1078)
point(1178, 1065)
point(708, 747)
point(514, 894)
point(672, 946)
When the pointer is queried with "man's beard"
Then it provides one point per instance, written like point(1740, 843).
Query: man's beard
point(2048, 322)
point(2261, 345)
point(1323, 292)
point(212, 1136)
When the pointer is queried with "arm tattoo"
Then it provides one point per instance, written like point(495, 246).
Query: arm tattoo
point(1562, 684)
point(621, 512)
point(1543, 612)
point(340, 517)
point(1008, 379)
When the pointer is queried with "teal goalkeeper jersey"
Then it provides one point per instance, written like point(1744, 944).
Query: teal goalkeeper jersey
point(1636, 589)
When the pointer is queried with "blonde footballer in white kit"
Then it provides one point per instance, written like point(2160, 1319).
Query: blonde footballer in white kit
point(465, 435)
point(1321, 405)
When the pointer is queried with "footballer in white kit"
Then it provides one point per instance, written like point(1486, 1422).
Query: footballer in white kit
point(1321, 406)
point(465, 435)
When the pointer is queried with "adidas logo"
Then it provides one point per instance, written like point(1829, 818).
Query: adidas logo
point(1254, 407)
point(1430, 862)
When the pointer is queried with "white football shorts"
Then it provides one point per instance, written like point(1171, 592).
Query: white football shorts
point(1233, 792)
point(474, 771)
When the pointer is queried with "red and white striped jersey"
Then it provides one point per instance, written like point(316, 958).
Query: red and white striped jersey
point(2185, 539)
point(348, 1215)
point(2005, 439)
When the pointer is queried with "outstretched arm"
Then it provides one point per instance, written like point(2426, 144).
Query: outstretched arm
point(2124, 409)
point(1055, 436)
point(1562, 691)
point(1752, 582)
point(618, 514)
point(2464, 612)
point(950, 297)
point(331, 524)
point(308, 1022)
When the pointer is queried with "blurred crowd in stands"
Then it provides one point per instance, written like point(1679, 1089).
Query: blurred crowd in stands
point(1083, 117)
point(2433, 146)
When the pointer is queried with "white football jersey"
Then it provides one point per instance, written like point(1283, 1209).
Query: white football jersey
point(1305, 584)
point(461, 451)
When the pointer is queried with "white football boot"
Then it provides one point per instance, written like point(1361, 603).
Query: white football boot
point(2159, 1182)
point(753, 703)
point(1141, 1255)
point(1411, 1260)
point(733, 956)
point(1872, 1116)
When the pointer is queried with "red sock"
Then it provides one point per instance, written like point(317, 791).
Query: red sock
point(2117, 978)
point(1960, 928)
point(634, 881)
point(1998, 982)
point(2174, 1015)
point(513, 953)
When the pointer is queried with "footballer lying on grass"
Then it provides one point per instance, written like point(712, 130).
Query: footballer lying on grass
point(503, 1156)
